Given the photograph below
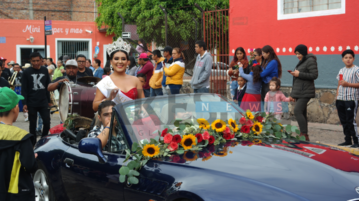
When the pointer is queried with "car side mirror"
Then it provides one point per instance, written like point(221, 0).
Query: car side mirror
point(92, 146)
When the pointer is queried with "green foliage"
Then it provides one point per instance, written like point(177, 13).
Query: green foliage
point(149, 17)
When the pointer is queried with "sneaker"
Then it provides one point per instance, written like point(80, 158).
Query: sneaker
point(355, 145)
point(26, 119)
point(345, 144)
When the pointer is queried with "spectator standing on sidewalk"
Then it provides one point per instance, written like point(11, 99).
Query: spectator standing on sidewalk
point(141, 47)
point(133, 67)
point(252, 97)
point(303, 88)
point(240, 57)
point(175, 72)
point(274, 99)
point(98, 71)
point(202, 69)
point(347, 98)
point(17, 156)
point(89, 65)
point(167, 53)
point(5, 71)
point(271, 68)
point(156, 79)
point(147, 69)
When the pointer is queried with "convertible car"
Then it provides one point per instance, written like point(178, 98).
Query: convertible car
point(235, 170)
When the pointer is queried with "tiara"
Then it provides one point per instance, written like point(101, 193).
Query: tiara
point(119, 44)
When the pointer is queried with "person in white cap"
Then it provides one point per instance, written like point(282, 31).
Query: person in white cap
point(70, 76)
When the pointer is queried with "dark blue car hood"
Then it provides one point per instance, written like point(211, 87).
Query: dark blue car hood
point(306, 170)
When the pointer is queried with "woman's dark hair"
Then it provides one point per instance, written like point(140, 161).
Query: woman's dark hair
point(179, 51)
point(142, 75)
point(62, 63)
point(235, 59)
point(52, 62)
point(89, 60)
point(113, 54)
point(272, 55)
point(257, 69)
point(133, 62)
point(276, 81)
point(106, 70)
point(98, 61)
point(104, 104)
point(144, 44)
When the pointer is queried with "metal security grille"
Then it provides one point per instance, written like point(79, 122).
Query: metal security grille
point(299, 6)
point(72, 48)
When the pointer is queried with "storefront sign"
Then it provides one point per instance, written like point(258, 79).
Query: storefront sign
point(36, 29)
point(2, 39)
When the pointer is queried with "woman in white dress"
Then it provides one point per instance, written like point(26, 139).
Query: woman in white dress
point(118, 87)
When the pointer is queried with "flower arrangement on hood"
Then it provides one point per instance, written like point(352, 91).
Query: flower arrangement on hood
point(186, 137)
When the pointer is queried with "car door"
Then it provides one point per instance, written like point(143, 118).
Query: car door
point(85, 178)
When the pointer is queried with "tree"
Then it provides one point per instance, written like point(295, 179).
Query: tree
point(149, 18)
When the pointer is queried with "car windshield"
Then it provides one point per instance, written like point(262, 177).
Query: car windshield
point(148, 119)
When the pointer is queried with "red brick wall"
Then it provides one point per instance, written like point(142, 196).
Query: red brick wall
point(67, 10)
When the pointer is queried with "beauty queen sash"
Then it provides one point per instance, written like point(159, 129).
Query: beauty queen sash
point(121, 98)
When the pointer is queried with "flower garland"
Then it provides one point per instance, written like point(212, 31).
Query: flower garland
point(187, 138)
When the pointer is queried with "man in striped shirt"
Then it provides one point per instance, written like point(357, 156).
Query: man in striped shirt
point(347, 98)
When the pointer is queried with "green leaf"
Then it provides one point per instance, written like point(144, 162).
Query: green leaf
point(297, 131)
point(180, 151)
point(124, 170)
point(177, 122)
point(122, 178)
point(182, 126)
point(268, 126)
point(134, 173)
point(277, 127)
point(153, 141)
point(157, 138)
point(133, 180)
point(302, 138)
point(288, 128)
point(263, 114)
point(131, 165)
point(294, 128)
point(278, 134)
point(143, 162)
point(134, 146)
point(144, 142)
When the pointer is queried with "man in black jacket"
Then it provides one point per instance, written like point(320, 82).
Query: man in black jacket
point(17, 157)
point(34, 83)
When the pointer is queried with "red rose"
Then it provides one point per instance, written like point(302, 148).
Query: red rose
point(249, 123)
point(175, 158)
point(207, 154)
point(211, 139)
point(164, 132)
point(259, 119)
point(242, 120)
point(199, 137)
point(205, 135)
point(176, 138)
point(227, 134)
point(245, 129)
point(168, 138)
point(173, 146)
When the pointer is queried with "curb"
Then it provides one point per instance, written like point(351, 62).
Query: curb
point(354, 151)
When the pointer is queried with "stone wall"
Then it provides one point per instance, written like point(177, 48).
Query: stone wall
point(321, 109)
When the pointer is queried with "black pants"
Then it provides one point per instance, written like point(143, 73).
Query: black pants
point(45, 115)
point(300, 113)
point(264, 90)
point(347, 111)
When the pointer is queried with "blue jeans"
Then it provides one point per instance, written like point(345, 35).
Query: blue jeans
point(39, 123)
point(201, 90)
point(146, 92)
point(175, 89)
point(156, 92)
point(234, 86)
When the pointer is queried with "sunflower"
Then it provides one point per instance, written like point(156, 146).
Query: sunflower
point(257, 141)
point(188, 141)
point(150, 150)
point(250, 115)
point(221, 154)
point(219, 126)
point(203, 124)
point(190, 156)
point(233, 125)
point(257, 128)
point(206, 158)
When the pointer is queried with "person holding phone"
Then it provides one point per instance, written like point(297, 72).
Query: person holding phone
point(303, 88)
point(240, 59)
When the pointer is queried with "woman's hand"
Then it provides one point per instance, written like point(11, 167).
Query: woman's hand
point(113, 94)
point(291, 99)
point(240, 65)
point(295, 73)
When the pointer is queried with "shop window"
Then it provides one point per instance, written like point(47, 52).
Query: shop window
point(291, 9)
point(73, 48)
